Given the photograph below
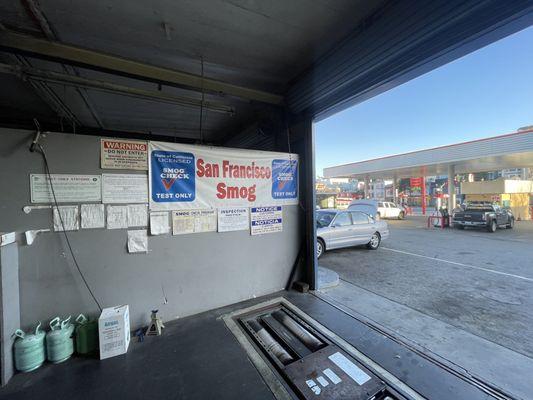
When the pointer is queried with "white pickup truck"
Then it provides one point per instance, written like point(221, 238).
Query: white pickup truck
point(386, 209)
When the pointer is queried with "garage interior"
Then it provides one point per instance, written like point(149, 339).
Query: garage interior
point(237, 74)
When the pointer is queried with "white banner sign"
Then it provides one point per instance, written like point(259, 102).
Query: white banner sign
point(67, 188)
point(123, 154)
point(233, 219)
point(195, 177)
point(124, 188)
point(266, 220)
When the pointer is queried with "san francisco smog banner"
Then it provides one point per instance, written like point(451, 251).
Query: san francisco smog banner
point(187, 176)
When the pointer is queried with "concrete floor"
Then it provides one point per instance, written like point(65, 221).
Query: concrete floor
point(467, 296)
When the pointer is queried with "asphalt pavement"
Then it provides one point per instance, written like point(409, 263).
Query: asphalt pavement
point(465, 295)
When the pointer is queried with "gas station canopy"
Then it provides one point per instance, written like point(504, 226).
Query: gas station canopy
point(513, 150)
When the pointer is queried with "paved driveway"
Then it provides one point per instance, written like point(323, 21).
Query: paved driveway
point(441, 287)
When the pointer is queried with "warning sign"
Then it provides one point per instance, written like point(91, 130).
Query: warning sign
point(123, 154)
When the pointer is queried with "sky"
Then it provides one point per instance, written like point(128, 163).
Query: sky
point(486, 93)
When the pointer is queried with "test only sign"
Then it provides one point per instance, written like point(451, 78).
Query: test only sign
point(123, 154)
point(266, 220)
point(202, 177)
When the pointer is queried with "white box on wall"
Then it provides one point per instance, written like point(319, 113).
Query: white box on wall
point(114, 331)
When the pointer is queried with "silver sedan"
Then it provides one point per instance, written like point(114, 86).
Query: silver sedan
point(344, 228)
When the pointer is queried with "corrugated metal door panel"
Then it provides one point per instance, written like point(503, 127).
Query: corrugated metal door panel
point(402, 37)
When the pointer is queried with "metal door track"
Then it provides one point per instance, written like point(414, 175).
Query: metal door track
point(299, 358)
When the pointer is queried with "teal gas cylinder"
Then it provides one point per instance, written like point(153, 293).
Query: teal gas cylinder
point(29, 349)
point(59, 340)
point(86, 335)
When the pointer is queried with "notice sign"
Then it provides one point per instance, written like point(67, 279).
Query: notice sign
point(67, 188)
point(266, 220)
point(193, 221)
point(123, 154)
point(124, 188)
point(200, 177)
point(233, 219)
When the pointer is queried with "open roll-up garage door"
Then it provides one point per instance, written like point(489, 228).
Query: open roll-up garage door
point(228, 74)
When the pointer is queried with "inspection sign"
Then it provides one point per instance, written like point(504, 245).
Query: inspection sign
point(123, 154)
point(266, 220)
point(233, 219)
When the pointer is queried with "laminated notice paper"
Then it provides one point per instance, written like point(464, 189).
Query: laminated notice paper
point(124, 188)
point(159, 224)
point(266, 220)
point(138, 241)
point(67, 188)
point(117, 217)
point(137, 215)
point(69, 218)
point(233, 219)
point(193, 221)
point(92, 216)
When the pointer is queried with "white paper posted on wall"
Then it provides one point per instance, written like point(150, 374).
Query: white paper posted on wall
point(159, 224)
point(92, 216)
point(69, 218)
point(193, 221)
point(67, 188)
point(138, 241)
point(233, 219)
point(137, 215)
point(117, 217)
point(266, 220)
point(124, 188)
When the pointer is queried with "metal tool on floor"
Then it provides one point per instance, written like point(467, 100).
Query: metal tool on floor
point(155, 325)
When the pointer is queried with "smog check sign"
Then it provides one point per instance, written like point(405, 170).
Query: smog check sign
point(173, 177)
point(194, 177)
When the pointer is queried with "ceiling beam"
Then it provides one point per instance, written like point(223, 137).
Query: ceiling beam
point(52, 50)
point(28, 73)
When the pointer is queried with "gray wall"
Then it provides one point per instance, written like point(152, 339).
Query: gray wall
point(196, 272)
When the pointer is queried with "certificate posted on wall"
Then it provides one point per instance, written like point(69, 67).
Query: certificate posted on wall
point(123, 154)
point(66, 218)
point(124, 188)
point(193, 221)
point(233, 219)
point(67, 188)
point(92, 216)
point(266, 220)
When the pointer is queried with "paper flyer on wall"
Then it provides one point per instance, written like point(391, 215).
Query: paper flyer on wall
point(123, 154)
point(266, 220)
point(92, 216)
point(67, 188)
point(233, 219)
point(138, 241)
point(117, 217)
point(137, 215)
point(124, 188)
point(159, 224)
point(69, 218)
point(200, 177)
point(193, 221)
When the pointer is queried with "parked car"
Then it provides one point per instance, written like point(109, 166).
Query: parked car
point(384, 209)
point(344, 228)
point(483, 215)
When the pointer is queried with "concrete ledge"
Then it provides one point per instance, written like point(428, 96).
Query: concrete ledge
point(327, 278)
